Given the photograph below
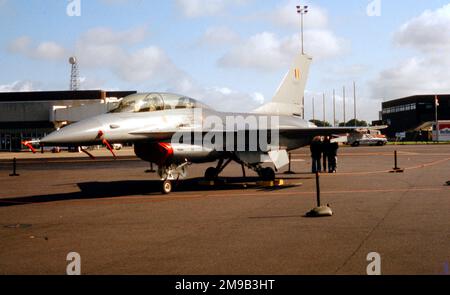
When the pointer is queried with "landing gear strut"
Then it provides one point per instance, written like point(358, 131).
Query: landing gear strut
point(266, 174)
point(212, 173)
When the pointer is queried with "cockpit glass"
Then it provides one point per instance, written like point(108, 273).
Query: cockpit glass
point(141, 103)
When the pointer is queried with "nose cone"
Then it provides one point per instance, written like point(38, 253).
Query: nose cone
point(81, 133)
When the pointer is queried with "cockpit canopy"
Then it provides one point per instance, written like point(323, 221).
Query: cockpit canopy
point(152, 102)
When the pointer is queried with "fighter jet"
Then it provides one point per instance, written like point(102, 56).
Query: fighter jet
point(174, 131)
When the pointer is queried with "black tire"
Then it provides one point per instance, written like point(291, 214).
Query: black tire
point(166, 187)
point(211, 174)
point(267, 174)
point(355, 144)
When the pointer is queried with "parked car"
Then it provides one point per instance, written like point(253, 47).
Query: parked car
point(372, 137)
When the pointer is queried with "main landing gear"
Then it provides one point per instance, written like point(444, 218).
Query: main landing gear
point(171, 173)
point(266, 174)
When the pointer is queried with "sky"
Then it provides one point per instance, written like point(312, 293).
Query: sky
point(230, 54)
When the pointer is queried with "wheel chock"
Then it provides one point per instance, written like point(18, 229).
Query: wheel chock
point(273, 183)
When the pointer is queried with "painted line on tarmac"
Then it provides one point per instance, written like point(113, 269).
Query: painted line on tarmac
point(421, 166)
point(46, 161)
point(380, 154)
point(129, 200)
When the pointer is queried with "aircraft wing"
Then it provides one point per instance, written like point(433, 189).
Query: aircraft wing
point(288, 132)
point(320, 131)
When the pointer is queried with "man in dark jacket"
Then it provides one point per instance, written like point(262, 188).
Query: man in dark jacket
point(316, 155)
point(332, 157)
point(326, 149)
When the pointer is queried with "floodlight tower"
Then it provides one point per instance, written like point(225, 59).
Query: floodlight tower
point(302, 10)
point(74, 76)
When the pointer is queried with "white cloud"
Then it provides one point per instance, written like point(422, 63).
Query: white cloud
point(20, 45)
point(228, 100)
point(219, 36)
point(424, 75)
point(427, 73)
point(219, 98)
point(108, 49)
point(323, 44)
point(106, 36)
point(201, 8)
point(103, 48)
point(49, 51)
point(18, 86)
point(429, 31)
point(146, 64)
point(261, 51)
point(44, 50)
point(258, 98)
point(267, 51)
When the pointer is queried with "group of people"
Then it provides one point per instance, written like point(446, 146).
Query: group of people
point(324, 152)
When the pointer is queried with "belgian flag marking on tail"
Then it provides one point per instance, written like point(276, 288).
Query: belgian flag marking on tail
point(297, 74)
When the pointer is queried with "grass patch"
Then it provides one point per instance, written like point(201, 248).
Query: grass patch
point(417, 143)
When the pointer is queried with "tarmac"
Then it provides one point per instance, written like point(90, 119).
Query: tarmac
point(112, 213)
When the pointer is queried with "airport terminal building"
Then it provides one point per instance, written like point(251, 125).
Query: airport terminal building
point(32, 115)
point(414, 117)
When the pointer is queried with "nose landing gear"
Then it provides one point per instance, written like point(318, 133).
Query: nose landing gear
point(166, 187)
point(171, 173)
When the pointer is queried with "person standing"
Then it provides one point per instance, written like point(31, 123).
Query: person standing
point(326, 146)
point(332, 157)
point(316, 154)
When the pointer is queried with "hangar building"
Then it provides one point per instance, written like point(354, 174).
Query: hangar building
point(414, 116)
point(32, 115)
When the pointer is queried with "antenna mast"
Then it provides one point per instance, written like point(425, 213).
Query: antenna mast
point(74, 76)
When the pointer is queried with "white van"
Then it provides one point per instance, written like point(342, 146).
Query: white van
point(371, 137)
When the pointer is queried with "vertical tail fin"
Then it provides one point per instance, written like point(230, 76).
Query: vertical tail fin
point(288, 99)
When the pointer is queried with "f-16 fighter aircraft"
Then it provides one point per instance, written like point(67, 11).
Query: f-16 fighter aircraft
point(175, 131)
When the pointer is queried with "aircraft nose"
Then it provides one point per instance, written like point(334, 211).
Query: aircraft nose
point(84, 132)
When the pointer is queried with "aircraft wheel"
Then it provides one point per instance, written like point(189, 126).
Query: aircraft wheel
point(267, 174)
point(355, 144)
point(211, 173)
point(166, 187)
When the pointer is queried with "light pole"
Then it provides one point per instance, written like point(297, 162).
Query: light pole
point(314, 108)
point(334, 107)
point(345, 115)
point(354, 101)
point(302, 10)
point(324, 109)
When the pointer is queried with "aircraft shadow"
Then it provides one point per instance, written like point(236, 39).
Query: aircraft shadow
point(129, 188)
